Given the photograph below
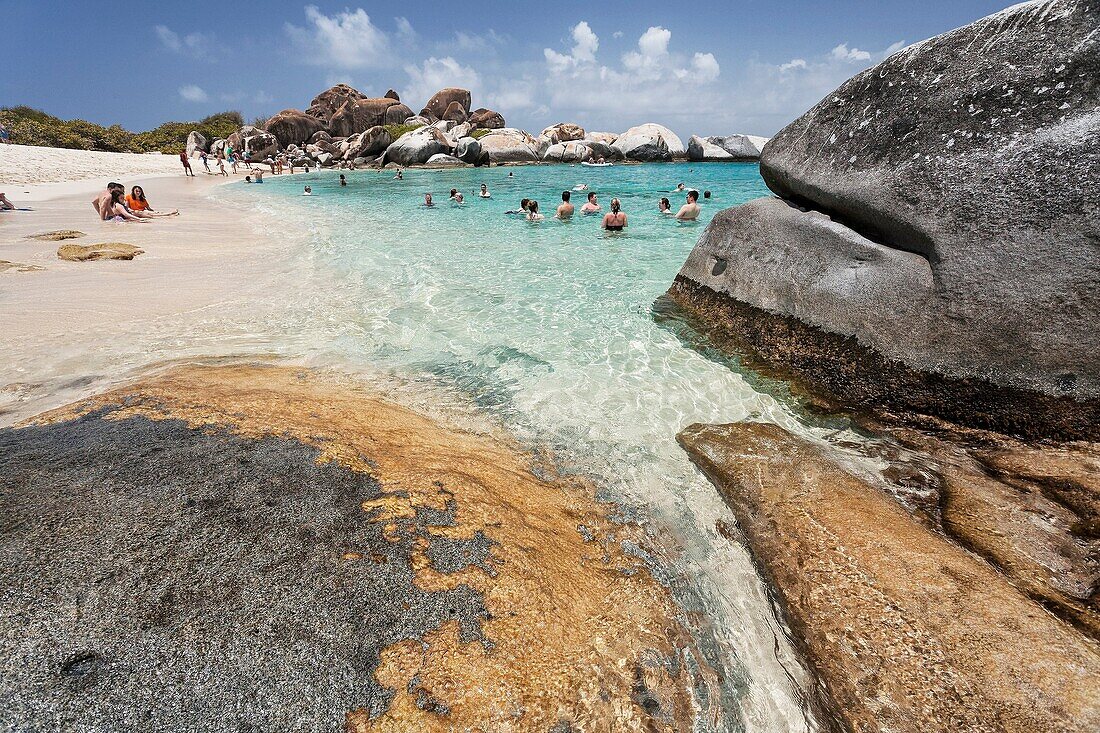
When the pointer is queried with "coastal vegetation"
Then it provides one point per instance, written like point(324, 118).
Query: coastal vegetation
point(29, 126)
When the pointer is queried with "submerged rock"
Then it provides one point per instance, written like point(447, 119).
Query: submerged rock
point(102, 251)
point(649, 142)
point(969, 160)
point(729, 147)
point(57, 235)
point(908, 631)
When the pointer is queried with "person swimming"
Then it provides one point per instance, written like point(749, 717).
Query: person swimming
point(343, 181)
point(308, 191)
point(680, 187)
point(690, 210)
point(581, 187)
point(615, 220)
point(485, 192)
point(456, 196)
point(706, 194)
point(398, 177)
point(533, 212)
point(664, 206)
point(428, 200)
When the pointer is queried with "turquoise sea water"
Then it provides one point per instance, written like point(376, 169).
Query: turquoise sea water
point(549, 327)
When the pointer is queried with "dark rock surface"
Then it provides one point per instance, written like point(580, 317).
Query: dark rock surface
point(437, 106)
point(326, 104)
point(363, 114)
point(168, 578)
point(976, 152)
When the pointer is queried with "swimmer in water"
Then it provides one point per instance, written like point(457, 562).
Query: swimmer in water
point(522, 207)
point(615, 220)
point(690, 210)
point(485, 192)
point(308, 191)
point(581, 187)
point(456, 196)
point(664, 206)
point(533, 212)
point(398, 177)
point(428, 200)
point(591, 206)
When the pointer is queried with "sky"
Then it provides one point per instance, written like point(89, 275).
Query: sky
point(700, 67)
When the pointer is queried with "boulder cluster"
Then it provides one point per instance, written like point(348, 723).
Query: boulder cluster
point(344, 127)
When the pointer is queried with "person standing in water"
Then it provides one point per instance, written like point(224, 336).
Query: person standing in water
point(533, 212)
point(485, 192)
point(690, 210)
point(615, 220)
point(428, 200)
point(565, 211)
point(343, 181)
point(664, 206)
point(591, 206)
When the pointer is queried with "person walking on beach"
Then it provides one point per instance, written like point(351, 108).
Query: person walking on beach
point(591, 206)
point(4, 135)
point(690, 210)
point(615, 220)
point(565, 211)
point(221, 166)
point(186, 164)
point(205, 161)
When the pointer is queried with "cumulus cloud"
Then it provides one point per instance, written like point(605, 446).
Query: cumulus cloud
point(196, 45)
point(404, 29)
point(585, 45)
point(345, 40)
point(843, 53)
point(193, 93)
point(793, 64)
point(434, 74)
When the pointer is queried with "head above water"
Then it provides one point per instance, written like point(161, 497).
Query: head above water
point(565, 196)
point(693, 196)
point(591, 197)
point(615, 205)
point(706, 194)
point(524, 203)
point(665, 203)
point(454, 191)
point(533, 207)
point(428, 198)
point(484, 187)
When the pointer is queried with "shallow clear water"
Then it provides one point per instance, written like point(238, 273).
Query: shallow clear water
point(549, 327)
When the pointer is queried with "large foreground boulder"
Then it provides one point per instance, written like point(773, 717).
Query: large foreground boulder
point(955, 267)
point(468, 150)
point(649, 142)
point(510, 145)
point(729, 147)
point(259, 146)
point(417, 146)
point(437, 106)
point(366, 144)
point(293, 127)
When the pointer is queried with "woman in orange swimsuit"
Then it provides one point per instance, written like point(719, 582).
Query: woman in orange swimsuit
point(139, 205)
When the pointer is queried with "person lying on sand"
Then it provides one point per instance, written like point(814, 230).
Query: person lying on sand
point(690, 210)
point(5, 204)
point(139, 205)
point(615, 220)
point(591, 206)
point(565, 211)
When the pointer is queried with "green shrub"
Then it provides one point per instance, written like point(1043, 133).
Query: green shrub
point(479, 133)
point(34, 127)
point(397, 131)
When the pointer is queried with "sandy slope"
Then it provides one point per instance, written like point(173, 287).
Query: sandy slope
point(29, 164)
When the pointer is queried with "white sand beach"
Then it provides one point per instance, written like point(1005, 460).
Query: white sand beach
point(62, 319)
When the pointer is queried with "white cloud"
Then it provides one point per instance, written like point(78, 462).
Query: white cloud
point(404, 29)
point(705, 66)
point(345, 40)
point(435, 74)
point(196, 45)
point(617, 34)
point(193, 93)
point(843, 53)
point(793, 64)
point(585, 45)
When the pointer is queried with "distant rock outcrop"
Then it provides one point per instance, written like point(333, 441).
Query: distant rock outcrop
point(196, 143)
point(729, 147)
point(570, 152)
point(363, 114)
point(293, 127)
point(437, 106)
point(649, 142)
point(328, 102)
point(563, 132)
point(487, 119)
point(454, 113)
point(937, 247)
point(510, 145)
point(417, 146)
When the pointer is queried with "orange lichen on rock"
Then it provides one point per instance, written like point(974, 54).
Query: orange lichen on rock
point(578, 632)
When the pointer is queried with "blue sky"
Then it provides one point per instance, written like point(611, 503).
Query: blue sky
point(698, 67)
